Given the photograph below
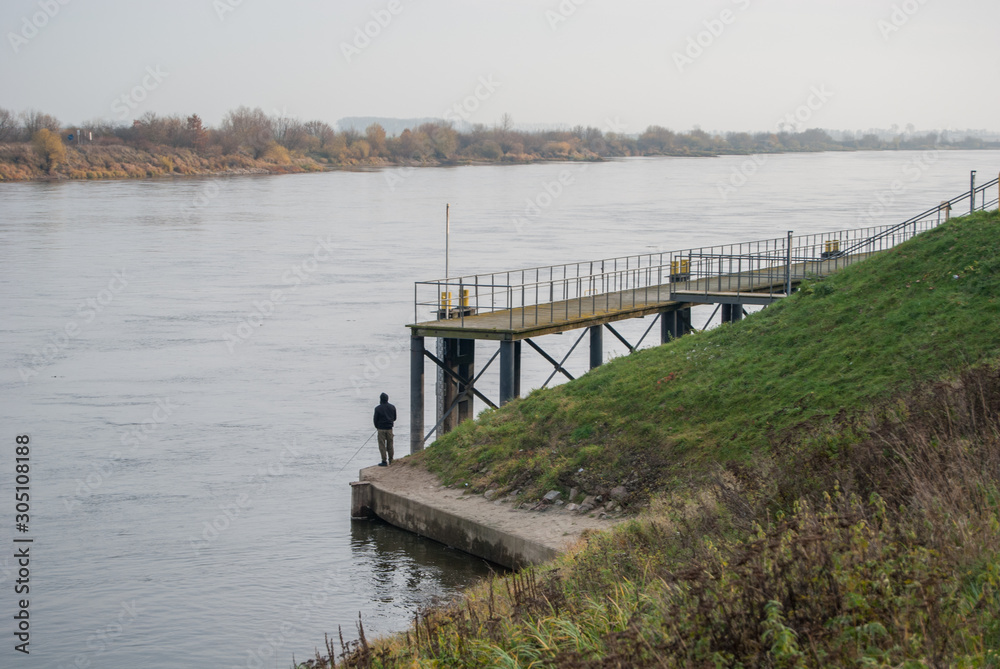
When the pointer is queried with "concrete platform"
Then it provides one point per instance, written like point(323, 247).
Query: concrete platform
point(411, 498)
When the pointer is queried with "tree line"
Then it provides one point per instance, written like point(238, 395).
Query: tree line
point(277, 138)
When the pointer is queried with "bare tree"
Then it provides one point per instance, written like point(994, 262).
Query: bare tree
point(8, 125)
point(321, 134)
point(33, 120)
point(251, 129)
point(290, 133)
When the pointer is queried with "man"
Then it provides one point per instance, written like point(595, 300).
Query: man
point(385, 416)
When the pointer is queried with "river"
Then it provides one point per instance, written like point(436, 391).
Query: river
point(195, 362)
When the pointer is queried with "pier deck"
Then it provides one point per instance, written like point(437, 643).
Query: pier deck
point(758, 287)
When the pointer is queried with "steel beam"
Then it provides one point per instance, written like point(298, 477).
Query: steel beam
point(596, 346)
point(416, 394)
point(507, 354)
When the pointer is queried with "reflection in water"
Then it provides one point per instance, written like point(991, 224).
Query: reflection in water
point(408, 570)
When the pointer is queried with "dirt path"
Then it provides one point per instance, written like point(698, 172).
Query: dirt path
point(555, 528)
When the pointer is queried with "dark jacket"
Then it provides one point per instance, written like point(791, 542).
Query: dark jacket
point(385, 414)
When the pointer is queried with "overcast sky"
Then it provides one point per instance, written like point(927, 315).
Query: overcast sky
point(615, 64)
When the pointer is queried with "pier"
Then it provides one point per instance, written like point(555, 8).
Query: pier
point(516, 307)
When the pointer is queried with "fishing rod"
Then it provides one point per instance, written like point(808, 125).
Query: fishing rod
point(357, 451)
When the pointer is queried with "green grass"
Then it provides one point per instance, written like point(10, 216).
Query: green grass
point(822, 483)
point(837, 346)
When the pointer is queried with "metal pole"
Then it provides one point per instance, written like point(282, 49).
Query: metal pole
point(416, 394)
point(596, 346)
point(447, 237)
point(506, 372)
point(788, 265)
point(972, 192)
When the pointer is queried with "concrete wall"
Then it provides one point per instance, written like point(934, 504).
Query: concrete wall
point(448, 528)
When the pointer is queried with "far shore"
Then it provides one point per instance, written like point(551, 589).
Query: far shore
point(19, 161)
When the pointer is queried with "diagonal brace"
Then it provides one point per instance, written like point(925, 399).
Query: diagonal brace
point(631, 349)
point(462, 395)
point(648, 330)
point(559, 367)
point(566, 357)
point(464, 382)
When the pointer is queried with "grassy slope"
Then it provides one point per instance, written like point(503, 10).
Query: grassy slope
point(827, 492)
point(837, 346)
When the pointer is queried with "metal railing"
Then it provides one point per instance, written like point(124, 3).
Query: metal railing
point(766, 267)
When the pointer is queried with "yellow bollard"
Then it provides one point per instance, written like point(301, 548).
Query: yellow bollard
point(446, 300)
point(465, 297)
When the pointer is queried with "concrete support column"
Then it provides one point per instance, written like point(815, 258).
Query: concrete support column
point(732, 313)
point(674, 324)
point(506, 372)
point(596, 346)
point(459, 356)
point(416, 394)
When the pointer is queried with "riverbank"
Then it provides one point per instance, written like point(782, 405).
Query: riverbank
point(501, 529)
point(22, 161)
point(817, 485)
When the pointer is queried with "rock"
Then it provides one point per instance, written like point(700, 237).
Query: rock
point(573, 492)
point(590, 501)
point(610, 506)
point(599, 499)
point(490, 495)
point(619, 493)
point(572, 507)
point(552, 495)
point(586, 508)
point(559, 502)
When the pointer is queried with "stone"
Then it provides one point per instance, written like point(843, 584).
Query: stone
point(618, 493)
point(559, 502)
point(572, 507)
point(590, 501)
point(490, 495)
point(552, 495)
point(573, 492)
point(611, 506)
point(586, 508)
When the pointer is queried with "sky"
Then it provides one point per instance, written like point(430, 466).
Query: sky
point(619, 65)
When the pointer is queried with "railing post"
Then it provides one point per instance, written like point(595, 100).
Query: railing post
point(788, 264)
point(972, 192)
